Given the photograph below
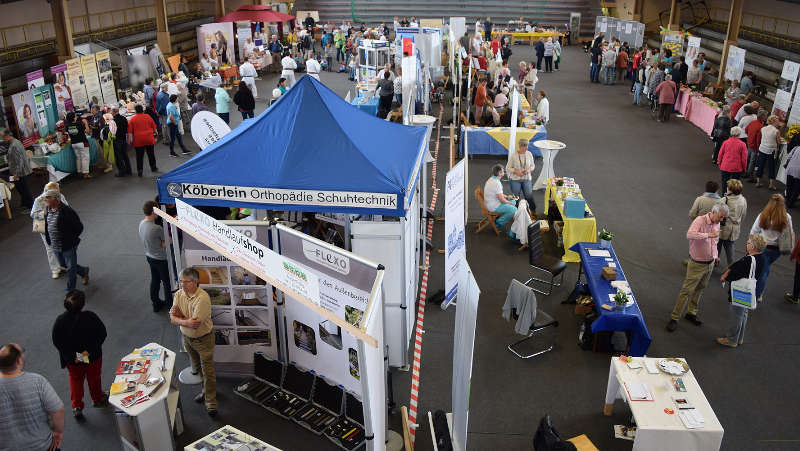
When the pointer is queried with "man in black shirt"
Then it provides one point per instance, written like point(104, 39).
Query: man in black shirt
point(386, 87)
point(487, 29)
point(597, 54)
point(121, 145)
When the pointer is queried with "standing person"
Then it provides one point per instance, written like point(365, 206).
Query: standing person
point(249, 74)
point(62, 231)
point(223, 104)
point(191, 310)
point(487, 29)
point(79, 335)
point(245, 101)
point(313, 67)
point(19, 168)
point(666, 92)
point(289, 66)
point(770, 141)
point(520, 166)
point(722, 131)
point(549, 50)
point(737, 209)
point(173, 119)
point(33, 414)
point(622, 63)
point(386, 94)
point(732, 93)
point(495, 46)
point(199, 104)
point(694, 74)
point(152, 237)
point(596, 59)
point(78, 129)
point(480, 100)
point(150, 91)
point(751, 124)
point(539, 47)
point(702, 204)
point(732, 157)
point(776, 225)
point(556, 53)
point(121, 145)
point(737, 316)
point(638, 84)
point(143, 133)
point(38, 213)
point(656, 78)
point(702, 236)
point(505, 52)
point(162, 100)
point(610, 65)
point(543, 107)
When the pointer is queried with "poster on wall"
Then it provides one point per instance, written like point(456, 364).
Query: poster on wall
point(25, 114)
point(794, 113)
point(241, 303)
point(345, 284)
point(455, 253)
point(735, 66)
point(35, 79)
point(673, 40)
point(692, 49)
point(216, 41)
point(61, 90)
point(103, 60)
point(77, 84)
point(91, 80)
point(46, 111)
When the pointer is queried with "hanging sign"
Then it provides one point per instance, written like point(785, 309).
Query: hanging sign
point(103, 60)
point(208, 128)
point(735, 66)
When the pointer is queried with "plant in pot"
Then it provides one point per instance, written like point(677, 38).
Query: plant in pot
point(605, 238)
point(620, 300)
point(559, 182)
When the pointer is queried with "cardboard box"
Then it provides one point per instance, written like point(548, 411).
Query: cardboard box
point(584, 305)
point(574, 207)
point(609, 273)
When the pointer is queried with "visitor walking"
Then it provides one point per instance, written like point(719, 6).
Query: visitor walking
point(79, 141)
point(666, 92)
point(174, 119)
point(732, 157)
point(548, 55)
point(121, 145)
point(19, 168)
point(223, 104)
point(162, 100)
point(245, 101)
point(38, 213)
point(63, 228)
point(737, 315)
point(540, 49)
point(730, 227)
point(610, 65)
point(143, 131)
point(776, 225)
point(722, 131)
point(152, 237)
point(768, 146)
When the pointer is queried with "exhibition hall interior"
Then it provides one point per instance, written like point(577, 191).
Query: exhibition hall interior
point(399, 225)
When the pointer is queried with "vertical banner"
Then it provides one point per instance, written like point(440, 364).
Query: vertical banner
point(575, 25)
point(35, 79)
point(459, 27)
point(673, 40)
point(77, 84)
point(103, 60)
point(463, 348)
point(25, 114)
point(61, 89)
point(456, 254)
point(91, 80)
point(216, 41)
point(158, 62)
point(243, 33)
point(692, 49)
point(794, 113)
point(46, 110)
point(512, 137)
point(786, 88)
point(735, 66)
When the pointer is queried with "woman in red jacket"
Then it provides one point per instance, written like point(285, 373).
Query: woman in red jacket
point(143, 129)
point(732, 157)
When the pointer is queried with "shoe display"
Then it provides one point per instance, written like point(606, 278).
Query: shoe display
point(672, 325)
point(85, 278)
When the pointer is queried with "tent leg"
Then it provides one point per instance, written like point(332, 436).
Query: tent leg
point(280, 304)
point(347, 233)
point(368, 426)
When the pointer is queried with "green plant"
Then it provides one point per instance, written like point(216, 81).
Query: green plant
point(559, 182)
point(605, 235)
point(620, 298)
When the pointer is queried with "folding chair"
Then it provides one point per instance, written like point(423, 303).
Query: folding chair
point(488, 216)
point(543, 262)
point(541, 322)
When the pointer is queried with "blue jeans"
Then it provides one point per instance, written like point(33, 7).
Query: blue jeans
point(174, 133)
point(611, 74)
point(225, 117)
point(737, 320)
point(507, 212)
point(763, 159)
point(770, 255)
point(69, 259)
point(247, 114)
point(594, 73)
point(751, 161)
point(637, 93)
point(523, 188)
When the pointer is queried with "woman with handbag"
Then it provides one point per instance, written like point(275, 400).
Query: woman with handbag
point(775, 224)
point(743, 269)
point(38, 212)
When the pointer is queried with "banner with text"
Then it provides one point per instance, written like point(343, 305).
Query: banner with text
point(27, 119)
point(76, 83)
point(103, 60)
point(692, 50)
point(463, 350)
point(91, 80)
point(61, 89)
point(786, 88)
point(455, 254)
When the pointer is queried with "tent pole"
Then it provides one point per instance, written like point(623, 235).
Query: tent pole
point(365, 401)
point(404, 297)
point(176, 255)
point(347, 233)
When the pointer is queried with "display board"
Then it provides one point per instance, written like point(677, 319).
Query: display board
point(27, 119)
point(628, 31)
point(455, 254)
point(459, 26)
point(242, 308)
point(735, 66)
point(103, 60)
point(92, 82)
point(46, 110)
point(301, 16)
point(345, 284)
point(61, 90)
point(794, 113)
point(692, 49)
point(76, 83)
point(575, 24)
point(35, 79)
point(139, 69)
point(220, 35)
point(786, 87)
point(673, 40)
point(463, 350)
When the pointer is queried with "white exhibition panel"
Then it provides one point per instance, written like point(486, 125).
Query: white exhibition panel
point(375, 379)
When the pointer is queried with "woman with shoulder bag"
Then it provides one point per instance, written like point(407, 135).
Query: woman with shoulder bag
point(737, 271)
point(38, 213)
point(729, 228)
point(721, 131)
point(775, 224)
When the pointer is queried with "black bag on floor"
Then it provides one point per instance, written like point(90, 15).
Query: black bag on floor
point(548, 439)
point(441, 431)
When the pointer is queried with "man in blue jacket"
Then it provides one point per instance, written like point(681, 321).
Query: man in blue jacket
point(162, 100)
point(62, 230)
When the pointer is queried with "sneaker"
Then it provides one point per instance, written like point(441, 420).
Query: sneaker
point(693, 319)
point(102, 403)
point(107, 170)
point(77, 413)
point(791, 299)
point(85, 278)
point(186, 152)
point(199, 398)
point(174, 155)
point(55, 274)
point(725, 342)
point(741, 342)
point(672, 325)
point(156, 308)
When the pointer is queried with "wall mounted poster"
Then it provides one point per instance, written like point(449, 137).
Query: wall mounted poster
point(692, 49)
point(35, 79)
point(794, 113)
point(216, 41)
point(25, 114)
point(61, 89)
point(77, 84)
point(103, 60)
point(735, 66)
point(91, 80)
point(673, 40)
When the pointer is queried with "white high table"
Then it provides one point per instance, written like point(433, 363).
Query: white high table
point(549, 149)
point(655, 429)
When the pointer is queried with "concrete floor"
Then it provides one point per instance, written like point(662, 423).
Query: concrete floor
point(640, 178)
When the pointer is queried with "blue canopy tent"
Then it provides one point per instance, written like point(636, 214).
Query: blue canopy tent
point(311, 151)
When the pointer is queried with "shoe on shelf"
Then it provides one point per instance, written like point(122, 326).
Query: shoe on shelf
point(199, 398)
point(693, 319)
point(55, 274)
point(791, 299)
point(85, 278)
point(212, 412)
point(77, 413)
point(672, 325)
point(102, 403)
point(725, 342)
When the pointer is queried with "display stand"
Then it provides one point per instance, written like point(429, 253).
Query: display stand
point(549, 151)
point(228, 437)
point(153, 424)
point(372, 57)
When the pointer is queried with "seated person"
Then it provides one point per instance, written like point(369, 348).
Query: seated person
point(496, 201)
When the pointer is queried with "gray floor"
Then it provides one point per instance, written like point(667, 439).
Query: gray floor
point(639, 177)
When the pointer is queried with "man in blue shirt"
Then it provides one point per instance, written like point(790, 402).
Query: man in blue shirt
point(173, 119)
point(162, 100)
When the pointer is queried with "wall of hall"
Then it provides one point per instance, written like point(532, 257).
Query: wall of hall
point(763, 15)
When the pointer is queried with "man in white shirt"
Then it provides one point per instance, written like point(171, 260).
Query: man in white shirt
point(289, 66)
point(206, 63)
point(496, 201)
point(313, 67)
point(543, 108)
point(249, 74)
point(249, 48)
point(386, 68)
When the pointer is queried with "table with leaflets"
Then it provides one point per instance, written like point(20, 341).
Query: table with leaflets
point(666, 419)
point(229, 438)
point(576, 230)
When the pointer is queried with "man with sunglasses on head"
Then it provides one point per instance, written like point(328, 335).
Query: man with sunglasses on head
point(31, 413)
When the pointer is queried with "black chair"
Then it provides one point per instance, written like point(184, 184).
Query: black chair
point(543, 262)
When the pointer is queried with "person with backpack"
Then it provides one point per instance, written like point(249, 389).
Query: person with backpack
point(245, 101)
point(162, 100)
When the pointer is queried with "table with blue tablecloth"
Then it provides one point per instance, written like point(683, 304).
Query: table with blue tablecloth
point(628, 319)
point(494, 140)
point(369, 106)
point(64, 160)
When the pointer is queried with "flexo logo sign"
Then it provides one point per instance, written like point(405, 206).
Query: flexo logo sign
point(326, 258)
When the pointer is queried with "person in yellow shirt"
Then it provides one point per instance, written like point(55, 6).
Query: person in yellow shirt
point(191, 310)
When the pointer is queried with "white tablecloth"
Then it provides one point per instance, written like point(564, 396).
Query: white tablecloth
point(657, 430)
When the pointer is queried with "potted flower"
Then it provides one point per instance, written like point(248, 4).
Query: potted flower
point(605, 238)
point(620, 300)
point(559, 182)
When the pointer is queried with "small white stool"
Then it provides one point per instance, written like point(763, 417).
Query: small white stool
point(549, 149)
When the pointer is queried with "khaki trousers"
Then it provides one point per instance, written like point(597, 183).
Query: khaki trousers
point(201, 354)
point(697, 276)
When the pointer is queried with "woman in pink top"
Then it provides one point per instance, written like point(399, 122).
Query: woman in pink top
point(732, 157)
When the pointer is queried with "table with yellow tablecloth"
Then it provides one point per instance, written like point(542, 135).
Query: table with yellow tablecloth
point(531, 37)
point(576, 230)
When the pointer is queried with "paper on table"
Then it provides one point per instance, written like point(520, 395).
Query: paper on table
point(599, 253)
point(638, 391)
point(651, 366)
point(690, 420)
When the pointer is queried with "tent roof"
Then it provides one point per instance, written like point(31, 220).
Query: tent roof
point(255, 13)
point(310, 139)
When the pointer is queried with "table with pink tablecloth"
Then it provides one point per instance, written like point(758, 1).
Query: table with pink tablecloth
point(682, 102)
point(701, 114)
